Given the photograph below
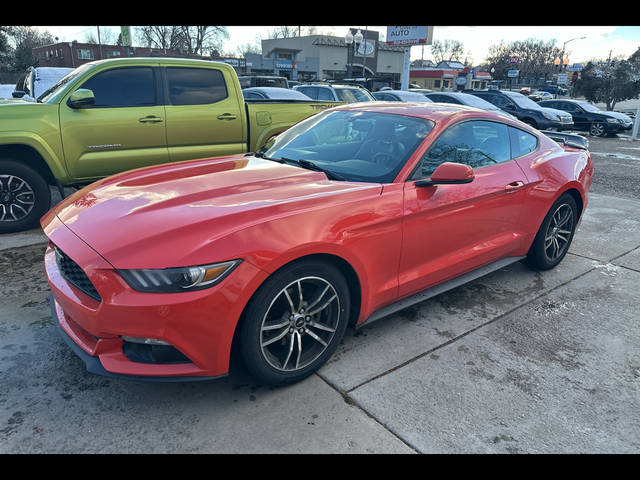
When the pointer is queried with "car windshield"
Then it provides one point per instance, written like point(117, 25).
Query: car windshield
point(352, 95)
point(522, 101)
point(51, 92)
point(358, 146)
point(477, 102)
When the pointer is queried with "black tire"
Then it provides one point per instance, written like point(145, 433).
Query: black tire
point(271, 334)
point(554, 237)
point(24, 196)
point(597, 129)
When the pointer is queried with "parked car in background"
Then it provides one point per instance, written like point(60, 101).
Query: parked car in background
point(554, 89)
point(400, 96)
point(421, 90)
point(539, 95)
point(38, 80)
point(461, 98)
point(119, 114)
point(335, 92)
point(589, 118)
point(525, 91)
point(160, 272)
point(526, 110)
point(273, 93)
point(247, 81)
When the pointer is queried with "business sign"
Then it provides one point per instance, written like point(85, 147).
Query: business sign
point(514, 59)
point(576, 67)
point(562, 78)
point(513, 73)
point(125, 32)
point(407, 36)
point(367, 48)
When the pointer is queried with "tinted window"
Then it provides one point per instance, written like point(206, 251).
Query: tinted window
point(311, 92)
point(325, 94)
point(475, 143)
point(123, 87)
point(521, 142)
point(195, 86)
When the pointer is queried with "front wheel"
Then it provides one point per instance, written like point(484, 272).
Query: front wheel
point(554, 237)
point(24, 196)
point(294, 323)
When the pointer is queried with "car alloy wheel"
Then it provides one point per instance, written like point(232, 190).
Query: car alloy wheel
point(294, 322)
point(559, 232)
point(597, 129)
point(554, 236)
point(16, 198)
point(299, 324)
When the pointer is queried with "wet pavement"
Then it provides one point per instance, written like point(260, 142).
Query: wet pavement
point(517, 361)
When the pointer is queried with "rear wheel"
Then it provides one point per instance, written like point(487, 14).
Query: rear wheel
point(294, 322)
point(597, 129)
point(554, 237)
point(24, 196)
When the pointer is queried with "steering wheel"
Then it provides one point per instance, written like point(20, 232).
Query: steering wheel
point(386, 152)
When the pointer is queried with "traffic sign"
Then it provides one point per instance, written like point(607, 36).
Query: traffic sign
point(514, 59)
point(513, 73)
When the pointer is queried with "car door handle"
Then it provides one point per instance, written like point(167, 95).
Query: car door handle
point(227, 116)
point(150, 119)
point(514, 186)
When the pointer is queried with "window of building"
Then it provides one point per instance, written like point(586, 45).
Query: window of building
point(85, 54)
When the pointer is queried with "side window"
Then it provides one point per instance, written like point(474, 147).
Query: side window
point(476, 143)
point(522, 142)
point(195, 86)
point(500, 101)
point(325, 94)
point(123, 87)
point(311, 92)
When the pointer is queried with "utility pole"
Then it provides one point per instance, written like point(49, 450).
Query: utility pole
point(99, 43)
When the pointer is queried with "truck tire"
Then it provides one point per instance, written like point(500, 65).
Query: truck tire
point(24, 196)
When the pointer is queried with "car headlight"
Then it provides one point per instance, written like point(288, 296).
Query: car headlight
point(183, 279)
point(612, 120)
point(551, 116)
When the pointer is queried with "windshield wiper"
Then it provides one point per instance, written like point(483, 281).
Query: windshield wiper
point(312, 166)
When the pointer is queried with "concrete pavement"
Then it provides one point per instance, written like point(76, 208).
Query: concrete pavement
point(514, 362)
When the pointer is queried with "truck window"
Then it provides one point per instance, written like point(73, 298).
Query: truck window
point(325, 94)
point(195, 86)
point(123, 87)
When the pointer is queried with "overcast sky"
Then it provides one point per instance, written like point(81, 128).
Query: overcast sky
point(599, 41)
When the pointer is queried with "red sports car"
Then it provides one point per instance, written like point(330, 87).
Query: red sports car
point(346, 217)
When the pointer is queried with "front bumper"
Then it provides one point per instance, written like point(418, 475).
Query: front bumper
point(199, 325)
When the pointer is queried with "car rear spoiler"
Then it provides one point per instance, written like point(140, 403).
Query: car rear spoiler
point(568, 139)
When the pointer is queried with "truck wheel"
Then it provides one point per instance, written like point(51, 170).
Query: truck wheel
point(24, 196)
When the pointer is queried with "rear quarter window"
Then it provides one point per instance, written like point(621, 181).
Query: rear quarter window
point(195, 86)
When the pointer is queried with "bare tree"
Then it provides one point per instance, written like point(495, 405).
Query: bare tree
point(195, 40)
point(447, 50)
point(160, 37)
point(284, 32)
point(535, 59)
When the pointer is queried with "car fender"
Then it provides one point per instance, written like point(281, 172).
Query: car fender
point(51, 158)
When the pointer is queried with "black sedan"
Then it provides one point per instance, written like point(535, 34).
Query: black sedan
point(589, 118)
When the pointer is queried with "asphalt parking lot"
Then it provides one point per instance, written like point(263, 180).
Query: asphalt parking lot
point(515, 362)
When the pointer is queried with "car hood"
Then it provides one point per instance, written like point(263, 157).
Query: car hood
point(618, 115)
point(172, 215)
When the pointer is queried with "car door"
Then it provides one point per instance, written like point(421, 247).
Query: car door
point(123, 129)
point(204, 117)
point(581, 120)
point(449, 230)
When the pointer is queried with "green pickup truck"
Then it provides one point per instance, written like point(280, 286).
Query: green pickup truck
point(114, 115)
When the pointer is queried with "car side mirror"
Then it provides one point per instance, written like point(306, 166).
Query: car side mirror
point(81, 98)
point(509, 106)
point(18, 93)
point(449, 173)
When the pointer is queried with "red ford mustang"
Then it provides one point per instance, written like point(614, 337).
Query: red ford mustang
point(348, 216)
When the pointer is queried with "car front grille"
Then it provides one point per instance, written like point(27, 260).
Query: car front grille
point(73, 274)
